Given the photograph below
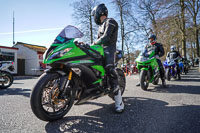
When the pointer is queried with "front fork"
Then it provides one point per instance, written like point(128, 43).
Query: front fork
point(64, 83)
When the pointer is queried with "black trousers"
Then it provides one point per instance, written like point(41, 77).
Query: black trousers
point(162, 71)
point(109, 53)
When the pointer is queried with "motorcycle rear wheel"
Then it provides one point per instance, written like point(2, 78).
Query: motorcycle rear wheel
point(44, 101)
point(8, 80)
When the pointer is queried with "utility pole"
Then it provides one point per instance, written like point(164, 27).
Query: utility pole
point(13, 28)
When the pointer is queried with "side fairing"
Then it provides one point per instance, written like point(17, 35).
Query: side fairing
point(98, 48)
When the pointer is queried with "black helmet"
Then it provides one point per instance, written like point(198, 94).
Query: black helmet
point(152, 36)
point(98, 11)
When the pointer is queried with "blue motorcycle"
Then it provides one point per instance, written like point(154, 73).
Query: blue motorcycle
point(170, 69)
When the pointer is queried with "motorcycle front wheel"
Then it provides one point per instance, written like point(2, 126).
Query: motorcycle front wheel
point(144, 79)
point(8, 80)
point(168, 74)
point(45, 103)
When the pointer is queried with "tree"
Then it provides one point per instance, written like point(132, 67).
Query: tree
point(150, 11)
point(193, 8)
point(82, 16)
point(169, 33)
point(122, 6)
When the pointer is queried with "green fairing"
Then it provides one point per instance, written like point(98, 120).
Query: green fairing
point(99, 68)
point(150, 61)
point(81, 61)
point(152, 54)
point(74, 52)
point(98, 48)
point(98, 81)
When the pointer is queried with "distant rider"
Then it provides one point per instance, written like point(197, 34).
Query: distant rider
point(174, 54)
point(159, 52)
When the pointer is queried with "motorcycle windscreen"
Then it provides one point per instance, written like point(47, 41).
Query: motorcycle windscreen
point(147, 53)
point(68, 33)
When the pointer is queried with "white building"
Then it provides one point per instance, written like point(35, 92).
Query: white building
point(30, 58)
point(10, 54)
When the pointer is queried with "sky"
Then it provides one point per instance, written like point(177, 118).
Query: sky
point(36, 21)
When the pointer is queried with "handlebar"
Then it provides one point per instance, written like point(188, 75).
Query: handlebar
point(87, 49)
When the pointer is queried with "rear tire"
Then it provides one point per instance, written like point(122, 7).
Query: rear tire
point(144, 80)
point(37, 99)
point(9, 80)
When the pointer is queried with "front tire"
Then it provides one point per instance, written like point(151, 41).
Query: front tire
point(8, 80)
point(168, 74)
point(144, 79)
point(44, 101)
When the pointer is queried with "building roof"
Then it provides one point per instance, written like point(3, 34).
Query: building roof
point(8, 47)
point(33, 47)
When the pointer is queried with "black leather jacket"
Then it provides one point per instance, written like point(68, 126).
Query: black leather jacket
point(159, 50)
point(107, 33)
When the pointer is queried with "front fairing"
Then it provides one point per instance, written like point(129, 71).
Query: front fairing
point(169, 63)
point(64, 42)
point(64, 48)
point(75, 51)
point(146, 57)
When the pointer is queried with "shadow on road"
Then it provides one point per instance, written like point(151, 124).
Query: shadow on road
point(177, 89)
point(192, 78)
point(141, 115)
point(15, 91)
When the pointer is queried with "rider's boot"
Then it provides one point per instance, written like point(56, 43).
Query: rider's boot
point(119, 105)
point(138, 84)
point(162, 74)
point(115, 88)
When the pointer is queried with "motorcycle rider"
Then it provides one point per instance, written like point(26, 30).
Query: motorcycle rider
point(107, 36)
point(159, 52)
point(173, 54)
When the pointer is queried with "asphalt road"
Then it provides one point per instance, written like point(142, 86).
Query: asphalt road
point(175, 109)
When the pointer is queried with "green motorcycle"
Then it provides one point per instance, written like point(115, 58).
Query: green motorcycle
point(76, 74)
point(148, 68)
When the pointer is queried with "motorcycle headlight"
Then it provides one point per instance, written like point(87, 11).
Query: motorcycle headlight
point(59, 54)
